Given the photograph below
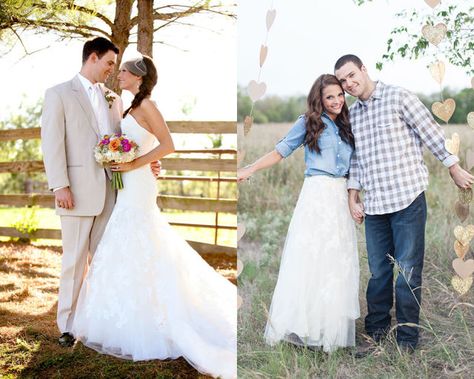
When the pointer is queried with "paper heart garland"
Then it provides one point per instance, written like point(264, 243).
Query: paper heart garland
point(463, 268)
point(256, 90)
point(465, 195)
point(460, 249)
point(432, 3)
point(461, 285)
point(263, 54)
point(469, 159)
point(437, 70)
point(239, 301)
point(462, 211)
point(271, 14)
point(472, 82)
point(240, 231)
point(452, 144)
point(444, 110)
point(434, 34)
point(248, 121)
point(240, 267)
point(470, 119)
point(464, 234)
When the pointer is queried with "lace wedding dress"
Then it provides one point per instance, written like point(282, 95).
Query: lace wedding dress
point(148, 294)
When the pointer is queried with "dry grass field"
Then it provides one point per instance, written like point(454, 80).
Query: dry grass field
point(29, 277)
point(266, 204)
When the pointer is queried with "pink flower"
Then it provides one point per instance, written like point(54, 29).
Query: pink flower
point(126, 147)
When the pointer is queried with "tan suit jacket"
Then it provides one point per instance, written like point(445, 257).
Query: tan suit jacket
point(69, 132)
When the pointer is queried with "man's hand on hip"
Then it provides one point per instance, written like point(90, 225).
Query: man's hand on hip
point(64, 198)
point(461, 177)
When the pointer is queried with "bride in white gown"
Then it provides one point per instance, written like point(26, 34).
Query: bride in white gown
point(148, 294)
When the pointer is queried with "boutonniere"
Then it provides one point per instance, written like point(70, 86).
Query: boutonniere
point(109, 97)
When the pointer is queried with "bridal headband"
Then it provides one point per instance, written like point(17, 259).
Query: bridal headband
point(136, 66)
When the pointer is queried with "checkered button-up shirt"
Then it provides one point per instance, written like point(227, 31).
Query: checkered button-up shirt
point(390, 129)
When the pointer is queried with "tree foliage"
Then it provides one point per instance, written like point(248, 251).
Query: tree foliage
point(118, 20)
point(407, 41)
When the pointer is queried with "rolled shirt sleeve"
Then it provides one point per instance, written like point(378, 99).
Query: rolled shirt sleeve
point(419, 118)
point(293, 139)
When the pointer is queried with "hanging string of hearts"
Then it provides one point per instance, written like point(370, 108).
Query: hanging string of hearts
point(256, 89)
point(462, 281)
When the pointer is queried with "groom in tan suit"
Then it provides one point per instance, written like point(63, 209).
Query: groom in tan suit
point(75, 115)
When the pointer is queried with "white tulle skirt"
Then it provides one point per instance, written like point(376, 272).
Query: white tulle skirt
point(316, 300)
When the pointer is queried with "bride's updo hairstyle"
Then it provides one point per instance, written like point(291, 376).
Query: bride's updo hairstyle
point(145, 68)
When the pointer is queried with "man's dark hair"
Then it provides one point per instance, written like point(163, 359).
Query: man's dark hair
point(100, 46)
point(346, 59)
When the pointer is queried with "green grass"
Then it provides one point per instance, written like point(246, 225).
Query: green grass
point(266, 204)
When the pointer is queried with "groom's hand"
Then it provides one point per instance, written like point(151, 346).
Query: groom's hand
point(155, 168)
point(64, 198)
point(356, 207)
point(461, 177)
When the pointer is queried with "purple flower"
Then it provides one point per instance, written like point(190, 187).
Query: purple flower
point(126, 147)
point(105, 141)
point(125, 142)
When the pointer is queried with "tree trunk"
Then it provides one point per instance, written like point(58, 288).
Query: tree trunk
point(120, 36)
point(145, 27)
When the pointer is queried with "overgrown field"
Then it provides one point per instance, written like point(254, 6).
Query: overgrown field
point(266, 204)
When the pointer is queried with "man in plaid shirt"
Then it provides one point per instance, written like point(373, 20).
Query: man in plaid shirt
point(390, 127)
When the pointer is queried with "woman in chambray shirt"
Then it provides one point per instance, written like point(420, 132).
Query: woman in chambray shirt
point(316, 302)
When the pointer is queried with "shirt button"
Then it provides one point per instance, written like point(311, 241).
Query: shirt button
point(339, 142)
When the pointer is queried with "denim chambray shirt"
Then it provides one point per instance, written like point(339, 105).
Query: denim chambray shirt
point(335, 155)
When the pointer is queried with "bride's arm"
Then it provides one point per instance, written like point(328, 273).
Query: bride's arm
point(157, 124)
point(266, 161)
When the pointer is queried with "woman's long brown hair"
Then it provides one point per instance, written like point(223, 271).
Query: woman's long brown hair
point(314, 123)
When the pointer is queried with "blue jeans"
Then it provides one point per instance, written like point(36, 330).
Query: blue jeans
point(400, 235)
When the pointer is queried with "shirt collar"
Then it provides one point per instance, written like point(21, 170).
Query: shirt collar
point(376, 94)
point(86, 83)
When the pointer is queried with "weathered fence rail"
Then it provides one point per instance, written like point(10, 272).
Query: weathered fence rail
point(183, 162)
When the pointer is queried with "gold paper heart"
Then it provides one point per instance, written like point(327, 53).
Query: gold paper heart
point(465, 195)
point(444, 110)
point(434, 34)
point(460, 249)
point(437, 70)
point(462, 211)
point(464, 234)
point(463, 268)
point(240, 231)
point(263, 54)
point(271, 14)
point(452, 144)
point(240, 267)
point(248, 121)
point(470, 119)
point(240, 301)
point(432, 3)
point(256, 90)
point(461, 285)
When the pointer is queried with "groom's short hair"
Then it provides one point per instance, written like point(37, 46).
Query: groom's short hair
point(346, 59)
point(98, 45)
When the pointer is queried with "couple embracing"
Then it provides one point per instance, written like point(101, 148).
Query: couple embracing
point(130, 286)
point(375, 147)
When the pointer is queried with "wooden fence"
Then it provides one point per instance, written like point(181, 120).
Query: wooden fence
point(213, 162)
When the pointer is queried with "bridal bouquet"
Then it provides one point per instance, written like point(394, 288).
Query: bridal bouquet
point(115, 148)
